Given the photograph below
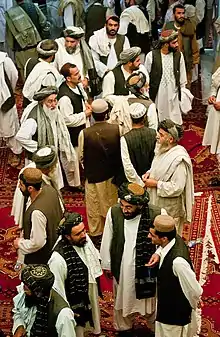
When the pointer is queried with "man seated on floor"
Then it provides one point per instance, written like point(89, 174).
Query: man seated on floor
point(38, 309)
point(75, 263)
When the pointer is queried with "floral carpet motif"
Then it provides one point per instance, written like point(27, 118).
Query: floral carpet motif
point(205, 167)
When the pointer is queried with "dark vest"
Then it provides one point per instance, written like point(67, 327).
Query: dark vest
point(157, 71)
point(173, 307)
point(141, 144)
point(10, 102)
point(118, 239)
point(120, 88)
point(118, 45)
point(76, 101)
point(56, 304)
point(95, 19)
point(49, 204)
point(102, 156)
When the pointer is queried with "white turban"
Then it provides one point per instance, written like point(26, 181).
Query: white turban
point(74, 32)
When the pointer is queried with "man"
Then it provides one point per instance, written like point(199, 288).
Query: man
point(106, 45)
point(99, 153)
point(212, 130)
point(178, 291)
point(95, 17)
point(38, 309)
point(9, 123)
point(170, 179)
point(41, 218)
point(114, 81)
point(76, 267)
point(42, 124)
point(75, 111)
point(134, 23)
point(125, 249)
point(73, 12)
point(186, 39)
point(40, 72)
point(137, 146)
point(25, 27)
point(167, 73)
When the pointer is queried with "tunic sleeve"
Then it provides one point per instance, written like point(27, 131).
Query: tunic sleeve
point(183, 78)
point(71, 119)
point(65, 324)
point(68, 15)
point(148, 63)
point(24, 135)
point(106, 242)
point(11, 72)
point(108, 85)
point(59, 268)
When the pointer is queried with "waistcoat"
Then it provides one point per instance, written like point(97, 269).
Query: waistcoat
point(120, 88)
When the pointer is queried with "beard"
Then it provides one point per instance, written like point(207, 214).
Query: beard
point(180, 21)
point(111, 32)
point(47, 110)
point(25, 193)
point(31, 300)
point(80, 243)
point(71, 50)
point(129, 216)
point(171, 49)
point(163, 147)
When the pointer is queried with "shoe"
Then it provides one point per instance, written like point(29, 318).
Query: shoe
point(126, 333)
point(214, 182)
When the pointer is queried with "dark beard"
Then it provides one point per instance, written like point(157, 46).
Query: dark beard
point(31, 301)
point(25, 193)
point(111, 32)
point(181, 22)
point(70, 50)
point(171, 49)
point(133, 214)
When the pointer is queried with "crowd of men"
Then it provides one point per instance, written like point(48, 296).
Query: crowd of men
point(105, 85)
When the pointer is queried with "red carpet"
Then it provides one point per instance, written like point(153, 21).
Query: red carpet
point(205, 167)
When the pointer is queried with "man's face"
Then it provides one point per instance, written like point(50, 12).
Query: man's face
point(112, 28)
point(129, 211)
point(24, 189)
point(179, 15)
point(154, 238)
point(75, 77)
point(135, 64)
point(71, 44)
point(173, 46)
point(78, 235)
point(50, 102)
point(164, 139)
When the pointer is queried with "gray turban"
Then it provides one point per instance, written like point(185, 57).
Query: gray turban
point(38, 278)
point(45, 157)
point(129, 55)
point(47, 52)
point(69, 221)
point(45, 92)
point(74, 32)
point(175, 130)
point(133, 193)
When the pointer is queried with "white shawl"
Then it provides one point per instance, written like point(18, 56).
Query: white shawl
point(4, 92)
point(134, 15)
point(100, 42)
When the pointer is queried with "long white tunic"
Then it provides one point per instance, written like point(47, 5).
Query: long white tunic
point(167, 100)
point(191, 289)
point(126, 295)
point(58, 267)
point(23, 316)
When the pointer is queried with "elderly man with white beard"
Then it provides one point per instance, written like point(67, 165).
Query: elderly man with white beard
point(42, 124)
point(170, 178)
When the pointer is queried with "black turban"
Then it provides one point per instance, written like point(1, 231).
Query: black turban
point(68, 222)
point(133, 193)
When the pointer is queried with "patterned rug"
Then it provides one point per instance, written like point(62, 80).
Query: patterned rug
point(203, 255)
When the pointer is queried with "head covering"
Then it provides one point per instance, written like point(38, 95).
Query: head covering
point(74, 32)
point(133, 193)
point(38, 278)
point(99, 106)
point(69, 221)
point(129, 55)
point(45, 157)
point(31, 175)
point(168, 35)
point(164, 223)
point(45, 92)
point(175, 130)
point(47, 52)
point(137, 110)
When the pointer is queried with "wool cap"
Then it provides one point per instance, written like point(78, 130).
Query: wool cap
point(45, 157)
point(129, 54)
point(164, 223)
point(74, 32)
point(137, 110)
point(99, 106)
point(31, 175)
point(168, 35)
point(45, 92)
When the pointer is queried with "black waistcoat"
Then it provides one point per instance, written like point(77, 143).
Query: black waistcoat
point(120, 88)
point(141, 143)
point(173, 307)
point(76, 101)
point(157, 71)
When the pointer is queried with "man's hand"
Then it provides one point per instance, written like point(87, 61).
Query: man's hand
point(150, 183)
point(217, 106)
point(212, 99)
point(85, 83)
point(88, 111)
point(155, 259)
point(108, 274)
point(145, 176)
point(16, 241)
point(20, 332)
